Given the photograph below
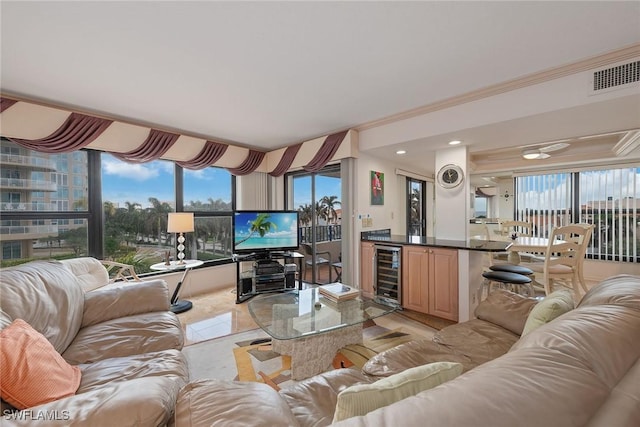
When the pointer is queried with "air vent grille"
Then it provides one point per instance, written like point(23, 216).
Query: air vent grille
point(616, 76)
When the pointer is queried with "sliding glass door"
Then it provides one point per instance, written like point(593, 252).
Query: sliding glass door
point(317, 197)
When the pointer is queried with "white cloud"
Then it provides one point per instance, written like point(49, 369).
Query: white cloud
point(135, 171)
point(195, 174)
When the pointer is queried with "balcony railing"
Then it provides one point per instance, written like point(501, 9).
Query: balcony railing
point(29, 207)
point(324, 233)
point(20, 231)
point(27, 184)
point(28, 161)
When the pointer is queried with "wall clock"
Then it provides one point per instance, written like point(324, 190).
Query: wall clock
point(450, 176)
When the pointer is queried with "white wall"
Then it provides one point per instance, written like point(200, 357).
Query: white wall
point(452, 204)
point(389, 215)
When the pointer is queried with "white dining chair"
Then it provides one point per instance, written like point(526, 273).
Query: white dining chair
point(563, 262)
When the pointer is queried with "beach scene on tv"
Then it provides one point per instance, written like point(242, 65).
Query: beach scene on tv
point(265, 231)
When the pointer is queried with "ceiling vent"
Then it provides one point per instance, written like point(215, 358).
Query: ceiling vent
point(616, 77)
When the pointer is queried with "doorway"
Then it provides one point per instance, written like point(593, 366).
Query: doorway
point(416, 208)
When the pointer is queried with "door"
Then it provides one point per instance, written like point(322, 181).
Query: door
point(317, 197)
point(415, 276)
point(443, 283)
point(416, 206)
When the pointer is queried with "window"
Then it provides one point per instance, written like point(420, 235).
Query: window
point(607, 198)
point(47, 213)
point(11, 250)
point(137, 198)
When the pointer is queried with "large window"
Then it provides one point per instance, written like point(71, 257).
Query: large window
point(607, 198)
point(108, 208)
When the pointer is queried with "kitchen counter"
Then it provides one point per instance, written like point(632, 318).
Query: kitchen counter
point(470, 244)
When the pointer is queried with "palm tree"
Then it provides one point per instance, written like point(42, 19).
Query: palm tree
point(321, 211)
point(305, 214)
point(329, 203)
point(157, 216)
point(261, 225)
point(132, 220)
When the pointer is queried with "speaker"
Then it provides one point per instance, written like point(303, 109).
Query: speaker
point(290, 276)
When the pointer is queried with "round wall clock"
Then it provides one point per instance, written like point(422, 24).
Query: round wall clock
point(450, 176)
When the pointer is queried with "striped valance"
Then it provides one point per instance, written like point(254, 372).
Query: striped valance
point(52, 129)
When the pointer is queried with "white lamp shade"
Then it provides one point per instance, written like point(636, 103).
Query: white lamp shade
point(180, 222)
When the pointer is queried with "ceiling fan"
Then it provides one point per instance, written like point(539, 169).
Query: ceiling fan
point(543, 152)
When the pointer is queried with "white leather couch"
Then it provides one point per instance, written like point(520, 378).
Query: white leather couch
point(124, 339)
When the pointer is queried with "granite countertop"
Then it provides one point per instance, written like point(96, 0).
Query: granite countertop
point(470, 244)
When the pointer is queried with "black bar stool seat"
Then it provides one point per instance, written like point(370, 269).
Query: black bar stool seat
point(512, 268)
point(505, 278)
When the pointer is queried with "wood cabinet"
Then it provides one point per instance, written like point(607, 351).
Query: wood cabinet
point(430, 281)
point(367, 253)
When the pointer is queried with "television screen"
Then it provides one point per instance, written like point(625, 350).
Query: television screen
point(255, 231)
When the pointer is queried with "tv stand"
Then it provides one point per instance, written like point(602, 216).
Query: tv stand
point(266, 273)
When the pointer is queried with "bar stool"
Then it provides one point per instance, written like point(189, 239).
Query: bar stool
point(507, 278)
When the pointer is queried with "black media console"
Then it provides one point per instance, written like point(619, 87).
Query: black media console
point(266, 274)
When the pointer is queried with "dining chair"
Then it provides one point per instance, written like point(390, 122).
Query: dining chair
point(521, 228)
point(319, 260)
point(564, 257)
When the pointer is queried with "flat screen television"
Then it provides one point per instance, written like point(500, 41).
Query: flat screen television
point(263, 231)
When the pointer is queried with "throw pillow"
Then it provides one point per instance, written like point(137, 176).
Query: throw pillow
point(552, 306)
point(33, 372)
point(363, 398)
point(506, 309)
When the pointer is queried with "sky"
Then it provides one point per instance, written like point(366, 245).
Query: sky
point(136, 183)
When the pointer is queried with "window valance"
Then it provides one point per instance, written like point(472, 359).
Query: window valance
point(55, 130)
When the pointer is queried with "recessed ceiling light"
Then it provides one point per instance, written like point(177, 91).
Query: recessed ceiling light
point(401, 152)
point(454, 142)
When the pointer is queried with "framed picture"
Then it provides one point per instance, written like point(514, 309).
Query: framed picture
point(377, 188)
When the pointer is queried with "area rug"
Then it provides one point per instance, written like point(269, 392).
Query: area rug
point(248, 356)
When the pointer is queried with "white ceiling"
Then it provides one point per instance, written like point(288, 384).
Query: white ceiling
point(270, 74)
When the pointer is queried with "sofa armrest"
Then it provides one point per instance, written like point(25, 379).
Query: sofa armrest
point(126, 300)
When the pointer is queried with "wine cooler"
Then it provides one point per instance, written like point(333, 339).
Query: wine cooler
point(387, 274)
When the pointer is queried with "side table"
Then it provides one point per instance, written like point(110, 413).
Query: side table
point(178, 306)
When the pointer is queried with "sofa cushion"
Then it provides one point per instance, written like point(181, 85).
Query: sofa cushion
point(47, 296)
point(411, 354)
point(480, 340)
point(126, 336)
point(553, 305)
point(364, 398)
point(33, 372)
point(313, 400)
point(166, 363)
point(226, 403)
point(90, 271)
point(506, 309)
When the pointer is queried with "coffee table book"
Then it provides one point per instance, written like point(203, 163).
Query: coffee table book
point(338, 292)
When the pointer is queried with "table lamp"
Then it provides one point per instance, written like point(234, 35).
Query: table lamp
point(180, 222)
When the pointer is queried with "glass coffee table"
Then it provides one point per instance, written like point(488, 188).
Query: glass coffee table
point(310, 328)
